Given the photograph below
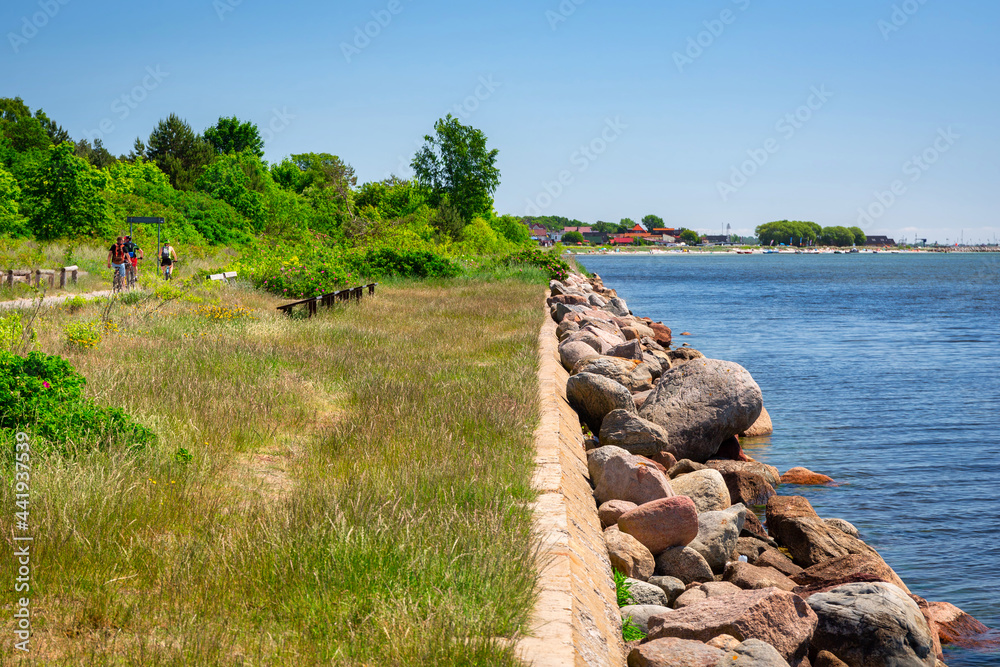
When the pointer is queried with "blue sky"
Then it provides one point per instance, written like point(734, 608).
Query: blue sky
point(727, 112)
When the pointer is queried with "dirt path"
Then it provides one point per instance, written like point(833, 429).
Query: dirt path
point(49, 300)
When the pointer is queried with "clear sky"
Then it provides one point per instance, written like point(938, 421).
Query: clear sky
point(726, 112)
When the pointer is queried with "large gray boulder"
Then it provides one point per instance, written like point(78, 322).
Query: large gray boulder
point(617, 306)
point(872, 625)
point(644, 593)
point(618, 475)
point(572, 352)
point(755, 653)
point(672, 586)
point(629, 431)
point(717, 535)
point(706, 488)
point(634, 375)
point(641, 613)
point(702, 403)
point(594, 396)
point(684, 563)
point(673, 652)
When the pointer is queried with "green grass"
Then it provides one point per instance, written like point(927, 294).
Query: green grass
point(353, 488)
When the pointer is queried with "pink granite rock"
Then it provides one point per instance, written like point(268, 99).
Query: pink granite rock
point(672, 652)
point(609, 512)
point(663, 523)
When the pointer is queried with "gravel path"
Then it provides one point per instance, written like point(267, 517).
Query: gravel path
point(49, 300)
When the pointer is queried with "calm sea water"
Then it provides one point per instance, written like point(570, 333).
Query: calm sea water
point(880, 370)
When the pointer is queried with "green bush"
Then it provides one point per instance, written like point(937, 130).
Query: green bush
point(43, 394)
point(555, 266)
point(386, 262)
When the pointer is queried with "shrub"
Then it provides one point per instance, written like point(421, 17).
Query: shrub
point(42, 393)
point(83, 335)
point(555, 266)
point(386, 262)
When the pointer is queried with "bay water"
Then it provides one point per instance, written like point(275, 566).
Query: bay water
point(879, 370)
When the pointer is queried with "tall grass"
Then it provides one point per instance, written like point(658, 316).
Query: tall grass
point(357, 490)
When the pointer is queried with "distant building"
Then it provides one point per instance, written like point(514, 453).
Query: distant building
point(582, 230)
point(879, 240)
point(595, 237)
point(718, 238)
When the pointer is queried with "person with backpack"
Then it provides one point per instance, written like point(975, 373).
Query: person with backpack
point(167, 259)
point(134, 252)
point(117, 256)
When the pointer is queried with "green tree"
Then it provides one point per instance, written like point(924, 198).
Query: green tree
point(860, 238)
point(229, 135)
point(456, 162)
point(792, 232)
point(626, 223)
point(24, 131)
point(393, 198)
point(179, 152)
point(448, 219)
point(690, 237)
point(238, 179)
point(97, 155)
point(572, 237)
point(65, 197)
point(651, 222)
point(12, 223)
point(610, 227)
point(837, 236)
point(512, 228)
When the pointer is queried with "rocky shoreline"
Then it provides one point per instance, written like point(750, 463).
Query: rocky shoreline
point(710, 583)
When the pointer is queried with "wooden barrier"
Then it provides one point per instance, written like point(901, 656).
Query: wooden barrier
point(72, 270)
point(328, 299)
point(38, 275)
point(224, 277)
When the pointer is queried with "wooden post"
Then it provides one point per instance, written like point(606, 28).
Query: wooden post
point(62, 277)
point(10, 277)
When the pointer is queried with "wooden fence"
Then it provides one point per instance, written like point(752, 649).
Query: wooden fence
point(37, 276)
point(328, 299)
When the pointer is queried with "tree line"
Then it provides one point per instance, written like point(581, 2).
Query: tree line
point(800, 233)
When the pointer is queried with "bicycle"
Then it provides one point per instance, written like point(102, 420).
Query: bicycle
point(118, 282)
point(168, 269)
point(129, 275)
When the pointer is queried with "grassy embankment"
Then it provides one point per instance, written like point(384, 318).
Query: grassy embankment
point(356, 492)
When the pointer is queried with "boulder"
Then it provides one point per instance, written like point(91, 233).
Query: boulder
point(618, 475)
point(750, 547)
point(827, 659)
point(643, 593)
point(672, 652)
point(572, 352)
point(768, 472)
point(755, 653)
point(724, 642)
point(730, 450)
point(557, 287)
point(583, 336)
point(954, 625)
point(651, 345)
point(641, 613)
point(701, 403)
point(705, 487)
point(666, 459)
point(568, 299)
point(600, 330)
point(752, 527)
point(596, 300)
point(843, 526)
point(652, 364)
point(761, 427)
point(781, 508)
point(671, 586)
point(810, 541)
point(640, 397)
point(717, 535)
point(871, 625)
point(628, 556)
point(661, 524)
point(683, 563)
point(609, 511)
point(853, 567)
point(632, 433)
point(634, 375)
point(924, 608)
point(594, 396)
point(565, 328)
point(683, 467)
point(683, 355)
point(805, 477)
point(661, 334)
point(559, 311)
point(617, 306)
point(776, 617)
point(779, 561)
point(629, 350)
point(750, 576)
point(630, 333)
point(747, 488)
point(711, 589)
point(650, 462)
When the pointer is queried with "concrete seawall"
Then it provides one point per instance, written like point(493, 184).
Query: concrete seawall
point(576, 619)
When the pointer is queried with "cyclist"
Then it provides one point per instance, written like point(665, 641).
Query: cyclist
point(117, 256)
point(135, 253)
point(167, 259)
